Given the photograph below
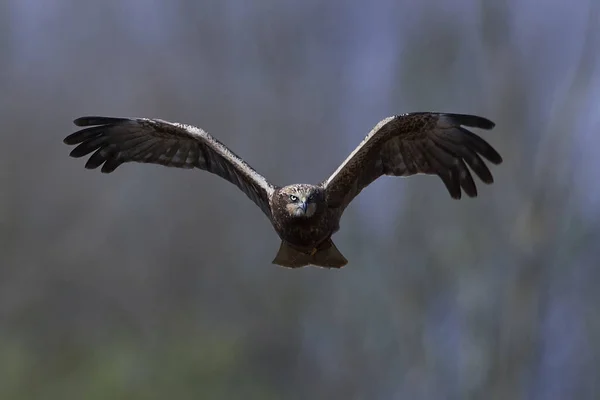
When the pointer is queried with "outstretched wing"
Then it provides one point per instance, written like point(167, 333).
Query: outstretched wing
point(416, 143)
point(115, 141)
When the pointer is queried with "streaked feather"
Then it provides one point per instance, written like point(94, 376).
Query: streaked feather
point(115, 141)
point(417, 143)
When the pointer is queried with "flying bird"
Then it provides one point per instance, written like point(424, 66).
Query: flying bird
point(304, 216)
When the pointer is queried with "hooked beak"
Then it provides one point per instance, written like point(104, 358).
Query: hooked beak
point(303, 206)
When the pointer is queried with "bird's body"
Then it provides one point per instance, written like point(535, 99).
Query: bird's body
point(305, 233)
point(305, 229)
point(304, 216)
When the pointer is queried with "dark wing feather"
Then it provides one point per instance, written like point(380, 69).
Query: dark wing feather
point(114, 141)
point(416, 143)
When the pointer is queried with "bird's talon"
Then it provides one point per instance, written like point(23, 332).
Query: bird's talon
point(313, 252)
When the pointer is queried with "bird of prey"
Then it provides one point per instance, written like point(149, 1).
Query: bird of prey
point(303, 215)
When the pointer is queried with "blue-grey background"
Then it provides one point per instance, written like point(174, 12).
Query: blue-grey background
point(156, 283)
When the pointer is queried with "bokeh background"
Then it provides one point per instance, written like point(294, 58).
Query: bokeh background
point(156, 283)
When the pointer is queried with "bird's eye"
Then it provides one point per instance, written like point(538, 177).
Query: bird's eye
point(311, 197)
point(293, 198)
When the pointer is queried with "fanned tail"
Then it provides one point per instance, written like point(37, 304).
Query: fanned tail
point(326, 256)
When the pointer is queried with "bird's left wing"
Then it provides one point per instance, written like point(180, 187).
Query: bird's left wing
point(416, 143)
point(115, 141)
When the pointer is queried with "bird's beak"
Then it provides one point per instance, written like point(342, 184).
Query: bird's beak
point(303, 206)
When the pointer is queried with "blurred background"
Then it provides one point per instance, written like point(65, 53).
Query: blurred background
point(154, 283)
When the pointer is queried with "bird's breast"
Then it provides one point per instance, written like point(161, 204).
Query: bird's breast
point(303, 232)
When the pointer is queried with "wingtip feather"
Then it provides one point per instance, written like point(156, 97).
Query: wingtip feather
point(71, 139)
point(473, 121)
point(95, 120)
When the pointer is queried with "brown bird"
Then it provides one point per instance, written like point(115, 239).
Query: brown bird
point(304, 216)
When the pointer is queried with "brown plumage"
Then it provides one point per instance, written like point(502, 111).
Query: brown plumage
point(304, 216)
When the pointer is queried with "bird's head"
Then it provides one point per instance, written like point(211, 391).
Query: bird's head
point(302, 200)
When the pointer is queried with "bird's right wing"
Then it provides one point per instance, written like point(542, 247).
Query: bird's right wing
point(119, 140)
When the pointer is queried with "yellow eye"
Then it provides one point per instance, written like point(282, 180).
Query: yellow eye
point(293, 198)
point(311, 197)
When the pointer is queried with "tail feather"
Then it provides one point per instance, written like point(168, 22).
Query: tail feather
point(327, 256)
